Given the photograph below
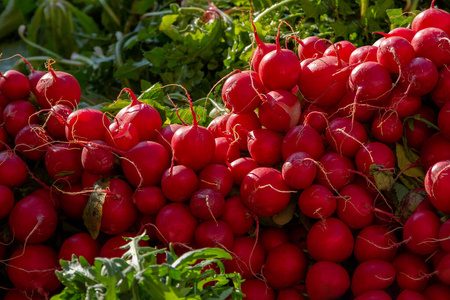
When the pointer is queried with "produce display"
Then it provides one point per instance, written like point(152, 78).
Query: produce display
point(325, 177)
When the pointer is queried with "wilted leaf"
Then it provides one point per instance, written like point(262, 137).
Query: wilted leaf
point(92, 215)
point(404, 163)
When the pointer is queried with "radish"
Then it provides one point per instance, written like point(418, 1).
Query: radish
point(410, 295)
point(237, 215)
point(225, 151)
point(444, 236)
point(260, 51)
point(432, 17)
point(165, 136)
point(63, 163)
point(419, 77)
point(326, 280)
point(404, 32)
point(374, 295)
point(285, 266)
point(113, 246)
point(432, 43)
point(80, 244)
point(88, 179)
point(436, 185)
point(361, 112)
point(31, 141)
point(175, 224)
point(242, 92)
point(346, 136)
point(375, 242)
point(149, 200)
point(311, 46)
point(96, 158)
point(374, 156)
point(444, 120)
point(355, 206)
point(216, 177)
point(218, 125)
point(124, 137)
point(17, 115)
point(184, 178)
point(372, 274)
point(299, 170)
point(335, 171)
point(437, 291)
point(22, 295)
point(280, 68)
point(443, 269)
point(387, 127)
point(73, 200)
point(421, 232)
point(86, 125)
point(214, 233)
point(239, 125)
point(441, 91)
point(14, 85)
point(411, 271)
point(417, 132)
point(290, 294)
point(56, 121)
point(248, 257)
point(330, 239)
point(3, 138)
point(6, 201)
point(142, 169)
point(363, 54)
point(436, 148)
point(3, 100)
point(280, 111)
point(241, 167)
point(264, 191)
point(272, 237)
point(394, 53)
point(13, 170)
point(264, 146)
point(403, 104)
point(343, 49)
point(317, 202)
point(302, 139)
point(57, 87)
point(207, 204)
point(32, 269)
point(256, 289)
point(52, 196)
point(33, 76)
point(315, 117)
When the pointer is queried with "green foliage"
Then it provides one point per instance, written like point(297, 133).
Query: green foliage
point(137, 275)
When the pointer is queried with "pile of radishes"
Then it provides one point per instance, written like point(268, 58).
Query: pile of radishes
point(295, 181)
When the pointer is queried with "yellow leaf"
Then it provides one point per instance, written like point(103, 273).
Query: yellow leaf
point(403, 162)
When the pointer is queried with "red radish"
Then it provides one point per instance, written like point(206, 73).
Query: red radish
point(96, 158)
point(73, 200)
point(311, 46)
point(290, 294)
point(264, 146)
point(22, 295)
point(241, 167)
point(361, 112)
point(3, 100)
point(285, 266)
point(261, 50)
point(330, 239)
point(216, 177)
point(315, 117)
point(146, 222)
point(56, 121)
point(411, 271)
point(118, 211)
point(444, 120)
point(86, 125)
point(149, 200)
point(444, 236)
point(419, 77)
point(3, 138)
point(13, 170)
point(207, 204)
point(373, 274)
point(214, 233)
point(302, 139)
point(378, 42)
point(256, 289)
point(237, 215)
point(280, 111)
point(323, 81)
point(184, 178)
point(80, 244)
point(375, 242)
point(326, 280)
point(6, 201)
point(175, 224)
point(63, 163)
point(272, 237)
point(443, 269)
point(355, 206)
point(34, 76)
point(363, 54)
point(432, 43)
point(57, 87)
point(421, 232)
point(434, 149)
point(374, 295)
point(88, 179)
point(113, 246)
point(373, 156)
point(31, 141)
point(343, 48)
point(394, 53)
point(371, 83)
point(432, 17)
point(239, 125)
point(165, 136)
point(404, 32)
point(264, 191)
point(226, 151)
point(242, 92)
point(436, 185)
point(437, 291)
point(410, 295)
point(417, 132)
point(248, 257)
point(52, 196)
point(317, 202)
point(142, 169)
point(280, 68)
point(346, 136)
point(335, 171)
point(123, 137)
point(402, 104)
point(32, 269)
point(441, 92)
point(17, 115)
point(218, 125)
point(14, 85)
point(387, 127)
point(299, 170)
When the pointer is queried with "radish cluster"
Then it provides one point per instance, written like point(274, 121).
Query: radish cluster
point(295, 181)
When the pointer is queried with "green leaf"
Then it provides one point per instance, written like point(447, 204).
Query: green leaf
point(400, 192)
point(167, 28)
point(131, 69)
point(141, 6)
point(404, 163)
